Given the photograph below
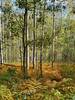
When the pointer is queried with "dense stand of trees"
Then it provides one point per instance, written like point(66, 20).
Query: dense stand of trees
point(39, 34)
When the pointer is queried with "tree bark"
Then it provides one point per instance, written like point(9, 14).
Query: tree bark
point(34, 36)
point(53, 34)
point(25, 47)
point(1, 35)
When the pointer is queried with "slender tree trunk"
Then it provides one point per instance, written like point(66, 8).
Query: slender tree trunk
point(34, 36)
point(41, 50)
point(41, 46)
point(49, 54)
point(1, 35)
point(41, 59)
point(25, 52)
point(53, 34)
point(28, 56)
point(28, 48)
point(0, 54)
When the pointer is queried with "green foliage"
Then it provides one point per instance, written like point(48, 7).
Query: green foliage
point(56, 94)
point(5, 93)
point(73, 10)
point(7, 6)
point(29, 4)
point(7, 76)
point(68, 71)
point(11, 71)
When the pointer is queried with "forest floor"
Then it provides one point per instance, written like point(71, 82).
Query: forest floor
point(57, 83)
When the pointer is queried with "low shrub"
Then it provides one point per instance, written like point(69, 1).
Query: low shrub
point(68, 71)
point(5, 93)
